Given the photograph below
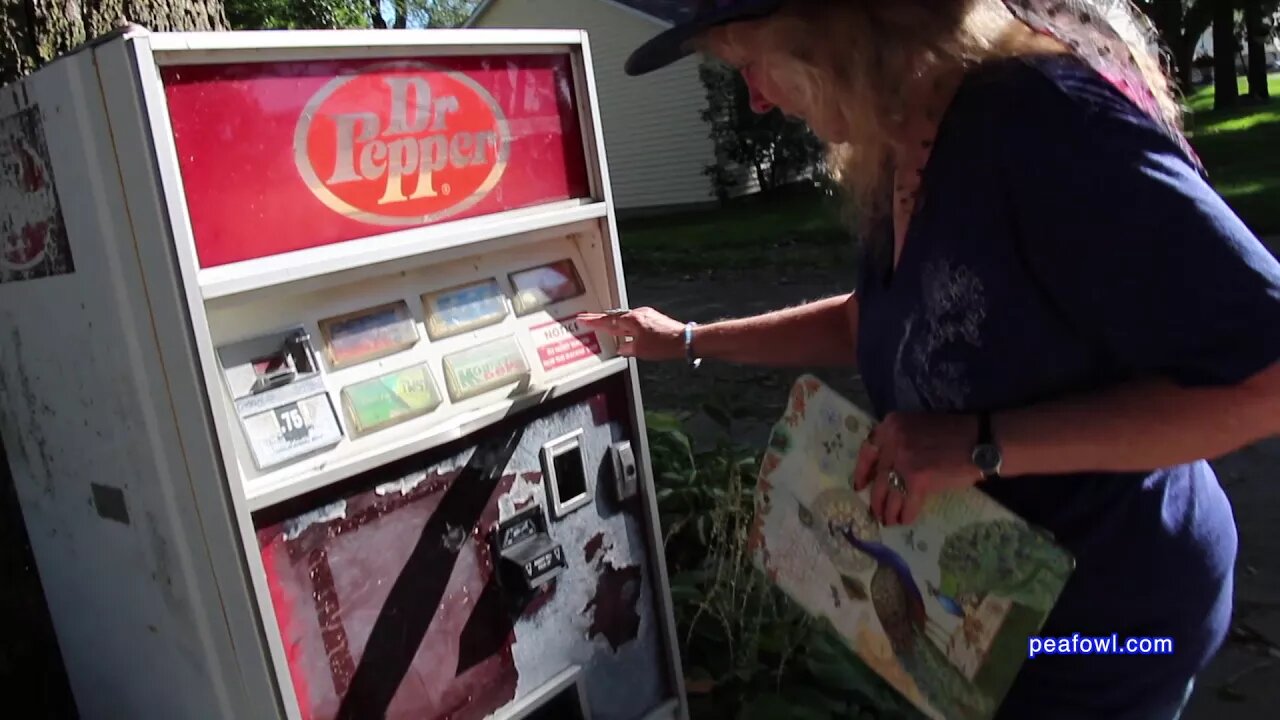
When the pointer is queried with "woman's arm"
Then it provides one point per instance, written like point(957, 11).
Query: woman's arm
point(1134, 427)
point(820, 333)
point(1139, 426)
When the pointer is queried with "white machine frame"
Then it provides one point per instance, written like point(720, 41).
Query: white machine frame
point(111, 94)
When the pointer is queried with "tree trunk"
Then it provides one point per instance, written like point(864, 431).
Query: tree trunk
point(1226, 91)
point(37, 31)
point(1195, 21)
point(1257, 32)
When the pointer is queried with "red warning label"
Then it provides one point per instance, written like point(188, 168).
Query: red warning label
point(563, 342)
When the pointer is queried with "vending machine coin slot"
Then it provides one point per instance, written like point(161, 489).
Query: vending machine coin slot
point(280, 396)
point(527, 556)
point(564, 471)
point(626, 476)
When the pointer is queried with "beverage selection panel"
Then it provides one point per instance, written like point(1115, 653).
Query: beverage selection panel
point(339, 371)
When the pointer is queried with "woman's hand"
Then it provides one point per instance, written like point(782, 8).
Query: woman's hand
point(928, 452)
point(643, 333)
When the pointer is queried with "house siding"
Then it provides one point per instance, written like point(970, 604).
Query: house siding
point(655, 138)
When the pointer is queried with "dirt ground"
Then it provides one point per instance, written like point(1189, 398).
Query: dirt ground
point(1242, 682)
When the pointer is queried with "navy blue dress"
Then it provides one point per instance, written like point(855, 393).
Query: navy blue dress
point(1062, 244)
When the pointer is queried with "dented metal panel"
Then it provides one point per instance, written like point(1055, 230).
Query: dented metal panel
point(388, 600)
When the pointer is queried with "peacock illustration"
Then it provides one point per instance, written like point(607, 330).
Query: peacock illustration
point(850, 536)
point(900, 607)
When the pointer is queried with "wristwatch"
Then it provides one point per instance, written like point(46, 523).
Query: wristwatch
point(986, 452)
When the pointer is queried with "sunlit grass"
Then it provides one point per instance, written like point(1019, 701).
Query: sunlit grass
point(1241, 149)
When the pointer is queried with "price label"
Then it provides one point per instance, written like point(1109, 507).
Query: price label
point(286, 432)
point(294, 425)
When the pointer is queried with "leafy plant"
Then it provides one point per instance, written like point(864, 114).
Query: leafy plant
point(749, 651)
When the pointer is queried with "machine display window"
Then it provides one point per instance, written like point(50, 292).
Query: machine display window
point(565, 471)
point(390, 399)
point(368, 334)
point(539, 287)
point(485, 367)
point(464, 308)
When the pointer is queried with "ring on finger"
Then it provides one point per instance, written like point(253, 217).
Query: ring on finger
point(897, 482)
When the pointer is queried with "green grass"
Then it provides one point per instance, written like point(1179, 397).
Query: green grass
point(1241, 149)
point(788, 231)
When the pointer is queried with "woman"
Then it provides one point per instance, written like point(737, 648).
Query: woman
point(1054, 306)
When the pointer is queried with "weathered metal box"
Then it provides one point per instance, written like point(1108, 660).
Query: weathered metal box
point(292, 389)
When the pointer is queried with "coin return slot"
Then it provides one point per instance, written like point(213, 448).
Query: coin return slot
point(527, 556)
point(565, 471)
point(294, 359)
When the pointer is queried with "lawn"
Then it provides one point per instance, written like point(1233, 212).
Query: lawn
point(1241, 149)
point(796, 231)
point(788, 232)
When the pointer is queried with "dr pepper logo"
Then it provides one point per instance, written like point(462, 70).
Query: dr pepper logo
point(402, 143)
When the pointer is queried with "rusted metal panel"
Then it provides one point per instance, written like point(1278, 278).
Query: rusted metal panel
point(387, 597)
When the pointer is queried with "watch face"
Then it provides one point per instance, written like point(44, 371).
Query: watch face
point(987, 458)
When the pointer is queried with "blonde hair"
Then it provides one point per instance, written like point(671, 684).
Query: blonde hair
point(849, 61)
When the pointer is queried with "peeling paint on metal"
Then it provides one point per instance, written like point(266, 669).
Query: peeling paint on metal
point(613, 608)
point(404, 485)
point(478, 652)
point(560, 632)
point(296, 526)
point(33, 237)
point(594, 545)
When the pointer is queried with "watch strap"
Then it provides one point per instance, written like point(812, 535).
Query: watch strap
point(693, 360)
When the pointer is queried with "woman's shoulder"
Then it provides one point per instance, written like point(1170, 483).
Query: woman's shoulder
point(1045, 96)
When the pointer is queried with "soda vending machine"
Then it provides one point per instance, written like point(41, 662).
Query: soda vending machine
point(295, 402)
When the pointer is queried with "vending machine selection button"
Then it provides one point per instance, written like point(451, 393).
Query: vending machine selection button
point(293, 429)
point(486, 367)
point(390, 399)
point(464, 308)
point(545, 285)
point(368, 334)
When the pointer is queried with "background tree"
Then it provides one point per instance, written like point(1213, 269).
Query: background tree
point(420, 13)
point(774, 148)
point(297, 14)
point(36, 31)
point(1258, 29)
point(1226, 92)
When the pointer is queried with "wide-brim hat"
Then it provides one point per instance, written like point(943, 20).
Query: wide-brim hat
point(675, 43)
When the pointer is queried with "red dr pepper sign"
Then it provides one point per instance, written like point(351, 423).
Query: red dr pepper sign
point(286, 156)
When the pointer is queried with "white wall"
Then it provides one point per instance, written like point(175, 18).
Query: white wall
point(656, 141)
